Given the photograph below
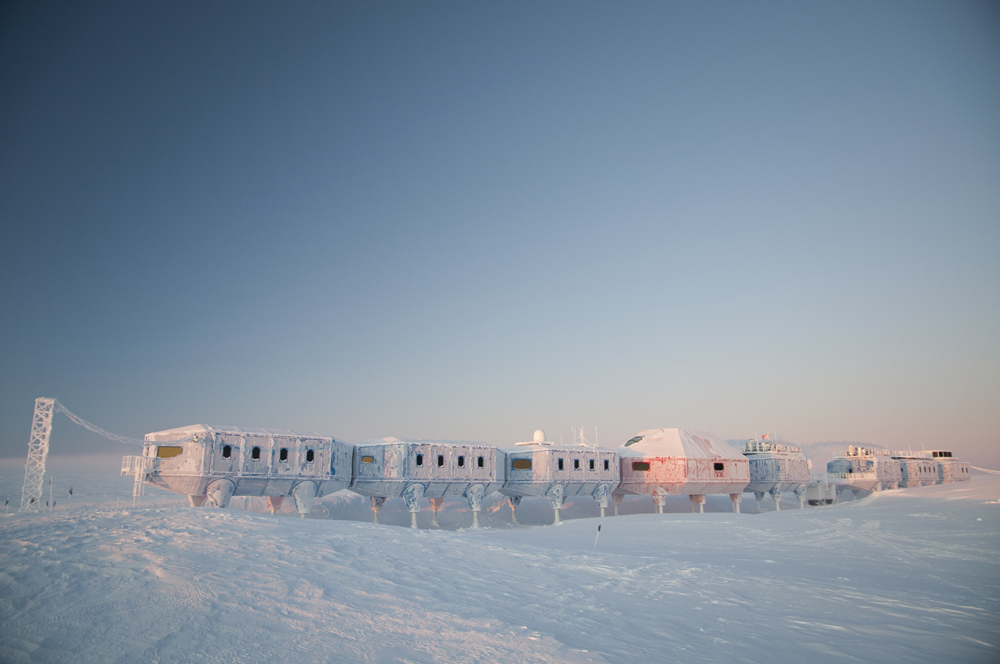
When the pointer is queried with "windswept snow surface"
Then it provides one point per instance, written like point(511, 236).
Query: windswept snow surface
point(909, 575)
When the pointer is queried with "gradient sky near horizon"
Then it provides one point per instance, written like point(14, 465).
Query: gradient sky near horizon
point(471, 220)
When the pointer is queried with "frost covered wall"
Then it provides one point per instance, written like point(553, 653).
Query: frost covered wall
point(775, 469)
point(915, 471)
point(662, 462)
point(865, 469)
point(213, 464)
point(541, 469)
point(416, 469)
point(777, 473)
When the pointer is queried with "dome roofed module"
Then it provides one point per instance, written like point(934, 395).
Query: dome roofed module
point(662, 462)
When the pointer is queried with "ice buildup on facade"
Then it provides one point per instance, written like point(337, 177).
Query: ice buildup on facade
point(864, 469)
point(665, 462)
point(435, 469)
point(542, 468)
point(775, 469)
point(212, 464)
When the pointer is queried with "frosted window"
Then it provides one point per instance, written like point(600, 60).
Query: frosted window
point(168, 452)
point(367, 459)
point(640, 465)
point(521, 464)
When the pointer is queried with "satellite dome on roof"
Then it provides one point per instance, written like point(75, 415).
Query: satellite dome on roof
point(539, 436)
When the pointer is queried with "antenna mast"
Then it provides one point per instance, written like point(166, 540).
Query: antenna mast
point(38, 451)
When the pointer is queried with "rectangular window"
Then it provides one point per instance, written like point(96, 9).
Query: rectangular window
point(168, 452)
point(480, 462)
point(521, 464)
point(440, 460)
point(420, 459)
point(606, 464)
point(461, 461)
point(227, 451)
point(591, 464)
point(576, 464)
point(283, 454)
point(640, 465)
point(255, 453)
point(367, 459)
point(560, 464)
point(719, 467)
point(310, 455)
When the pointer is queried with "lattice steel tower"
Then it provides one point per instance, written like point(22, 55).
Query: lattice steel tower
point(38, 451)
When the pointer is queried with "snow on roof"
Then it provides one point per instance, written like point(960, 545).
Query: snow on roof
point(189, 431)
point(388, 440)
point(687, 443)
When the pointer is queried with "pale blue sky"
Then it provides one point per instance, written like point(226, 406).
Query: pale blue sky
point(469, 220)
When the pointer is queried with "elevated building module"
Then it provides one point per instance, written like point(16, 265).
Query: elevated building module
point(542, 468)
point(415, 469)
point(864, 469)
point(943, 466)
point(776, 469)
point(664, 462)
point(212, 464)
point(916, 469)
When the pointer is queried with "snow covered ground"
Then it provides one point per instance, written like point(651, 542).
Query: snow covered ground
point(910, 575)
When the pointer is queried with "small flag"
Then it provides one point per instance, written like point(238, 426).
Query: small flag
point(764, 437)
point(71, 491)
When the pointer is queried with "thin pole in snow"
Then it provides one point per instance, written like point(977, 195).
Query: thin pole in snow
point(598, 535)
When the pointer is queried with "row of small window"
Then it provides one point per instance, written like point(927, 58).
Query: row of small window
point(227, 451)
point(525, 464)
point(440, 460)
point(644, 465)
point(941, 454)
